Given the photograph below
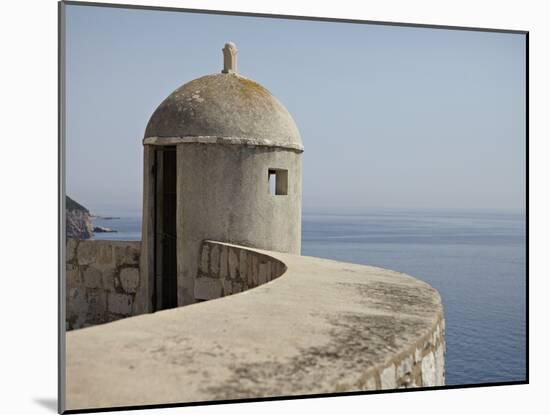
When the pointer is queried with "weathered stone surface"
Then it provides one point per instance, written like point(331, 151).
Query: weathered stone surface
point(238, 269)
point(207, 172)
point(71, 249)
point(77, 307)
point(272, 341)
point(119, 303)
point(275, 270)
point(108, 277)
point(92, 277)
point(126, 254)
point(262, 273)
point(278, 269)
point(224, 105)
point(227, 286)
point(268, 271)
point(205, 259)
point(405, 366)
point(207, 288)
point(428, 370)
point(237, 287)
point(73, 275)
point(86, 252)
point(113, 317)
point(214, 261)
point(253, 275)
point(97, 306)
point(439, 360)
point(94, 274)
point(371, 384)
point(105, 254)
point(388, 379)
point(129, 279)
point(224, 262)
point(233, 263)
point(243, 265)
point(229, 58)
point(418, 355)
point(249, 271)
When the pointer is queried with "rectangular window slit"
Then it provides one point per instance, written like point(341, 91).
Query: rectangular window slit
point(277, 181)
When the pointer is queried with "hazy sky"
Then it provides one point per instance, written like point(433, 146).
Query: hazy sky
point(390, 117)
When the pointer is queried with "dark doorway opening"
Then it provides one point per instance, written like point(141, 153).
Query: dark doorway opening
point(166, 283)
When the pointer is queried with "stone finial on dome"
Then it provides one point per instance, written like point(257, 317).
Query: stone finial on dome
point(229, 58)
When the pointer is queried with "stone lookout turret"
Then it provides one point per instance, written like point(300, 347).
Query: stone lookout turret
point(222, 161)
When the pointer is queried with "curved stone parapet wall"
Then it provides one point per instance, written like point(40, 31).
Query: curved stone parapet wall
point(226, 269)
point(422, 365)
point(320, 327)
point(102, 281)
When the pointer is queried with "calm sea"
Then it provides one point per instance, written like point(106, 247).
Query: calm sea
point(475, 260)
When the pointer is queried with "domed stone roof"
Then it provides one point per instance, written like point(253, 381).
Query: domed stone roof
point(225, 107)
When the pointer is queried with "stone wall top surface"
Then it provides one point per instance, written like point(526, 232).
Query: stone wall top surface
point(321, 327)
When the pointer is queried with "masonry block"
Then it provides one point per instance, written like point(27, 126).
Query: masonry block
point(428, 370)
point(92, 277)
point(126, 255)
point(205, 258)
point(207, 288)
point(387, 378)
point(214, 261)
point(233, 263)
point(262, 273)
point(243, 264)
point(71, 249)
point(120, 303)
point(86, 252)
point(223, 262)
point(73, 277)
point(227, 286)
point(129, 279)
point(97, 306)
point(105, 254)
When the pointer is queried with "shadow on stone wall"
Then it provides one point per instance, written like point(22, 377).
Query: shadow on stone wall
point(227, 269)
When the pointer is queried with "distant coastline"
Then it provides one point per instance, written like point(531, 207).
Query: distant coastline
point(81, 223)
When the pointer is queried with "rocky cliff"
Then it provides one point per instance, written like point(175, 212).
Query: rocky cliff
point(79, 223)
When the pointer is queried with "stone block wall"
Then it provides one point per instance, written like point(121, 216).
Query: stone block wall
point(102, 281)
point(423, 365)
point(225, 269)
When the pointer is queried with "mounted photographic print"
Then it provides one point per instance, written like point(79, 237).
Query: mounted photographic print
point(258, 207)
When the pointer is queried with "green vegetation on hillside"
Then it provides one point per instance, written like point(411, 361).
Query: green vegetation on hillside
point(70, 204)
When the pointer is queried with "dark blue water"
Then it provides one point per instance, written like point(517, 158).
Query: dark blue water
point(475, 260)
